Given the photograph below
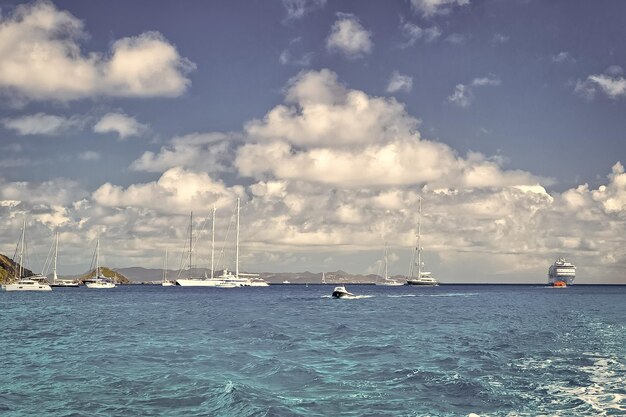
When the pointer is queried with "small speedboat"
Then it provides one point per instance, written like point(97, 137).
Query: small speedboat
point(340, 292)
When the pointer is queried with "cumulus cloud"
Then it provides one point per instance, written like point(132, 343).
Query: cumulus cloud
point(121, 124)
point(399, 82)
point(349, 37)
point(207, 152)
point(430, 8)
point(176, 191)
point(327, 133)
point(611, 83)
point(55, 192)
point(42, 124)
point(42, 60)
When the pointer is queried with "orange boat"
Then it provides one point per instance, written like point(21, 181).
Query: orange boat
point(559, 284)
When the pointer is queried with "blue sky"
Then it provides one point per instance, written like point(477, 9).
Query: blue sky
point(329, 120)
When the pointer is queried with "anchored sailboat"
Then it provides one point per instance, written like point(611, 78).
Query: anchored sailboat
point(386, 280)
point(35, 282)
point(164, 281)
point(56, 281)
point(99, 281)
point(419, 277)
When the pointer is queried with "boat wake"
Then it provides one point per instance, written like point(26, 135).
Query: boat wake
point(434, 295)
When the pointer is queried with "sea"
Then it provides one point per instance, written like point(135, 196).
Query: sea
point(292, 350)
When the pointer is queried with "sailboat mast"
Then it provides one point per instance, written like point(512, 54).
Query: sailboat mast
point(237, 243)
point(22, 240)
point(190, 238)
point(386, 270)
point(419, 243)
point(97, 258)
point(56, 252)
point(165, 267)
point(213, 243)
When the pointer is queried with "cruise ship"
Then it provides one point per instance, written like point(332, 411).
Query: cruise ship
point(561, 272)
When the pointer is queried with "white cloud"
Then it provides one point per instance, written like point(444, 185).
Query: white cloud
point(486, 81)
point(562, 57)
point(613, 196)
point(612, 84)
point(42, 124)
point(124, 126)
point(430, 8)
point(413, 33)
point(53, 192)
point(399, 82)
point(296, 9)
point(176, 191)
point(42, 60)
point(206, 152)
point(349, 37)
point(327, 133)
point(463, 95)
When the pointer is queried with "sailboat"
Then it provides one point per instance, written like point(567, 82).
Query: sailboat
point(164, 281)
point(35, 282)
point(323, 277)
point(56, 281)
point(419, 277)
point(386, 280)
point(98, 281)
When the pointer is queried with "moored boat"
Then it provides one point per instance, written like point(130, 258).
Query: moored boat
point(416, 275)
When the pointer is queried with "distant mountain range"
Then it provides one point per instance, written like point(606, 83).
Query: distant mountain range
point(138, 274)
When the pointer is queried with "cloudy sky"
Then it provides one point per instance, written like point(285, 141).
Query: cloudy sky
point(329, 119)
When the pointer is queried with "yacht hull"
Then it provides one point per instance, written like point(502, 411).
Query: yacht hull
point(25, 287)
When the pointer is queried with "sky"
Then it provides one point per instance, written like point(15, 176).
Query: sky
point(329, 120)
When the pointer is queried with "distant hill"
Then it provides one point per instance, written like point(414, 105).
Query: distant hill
point(8, 269)
point(108, 273)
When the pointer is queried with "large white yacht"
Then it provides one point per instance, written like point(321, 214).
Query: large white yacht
point(416, 275)
point(227, 279)
point(561, 272)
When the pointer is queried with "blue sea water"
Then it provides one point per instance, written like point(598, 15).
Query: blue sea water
point(292, 350)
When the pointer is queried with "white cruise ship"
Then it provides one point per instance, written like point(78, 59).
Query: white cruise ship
point(561, 271)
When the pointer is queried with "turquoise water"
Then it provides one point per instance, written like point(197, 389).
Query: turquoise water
point(293, 351)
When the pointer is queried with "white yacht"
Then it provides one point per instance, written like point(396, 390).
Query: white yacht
point(35, 282)
point(227, 279)
point(386, 280)
point(98, 281)
point(561, 273)
point(416, 275)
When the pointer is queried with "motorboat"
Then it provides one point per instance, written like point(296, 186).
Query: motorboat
point(341, 292)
